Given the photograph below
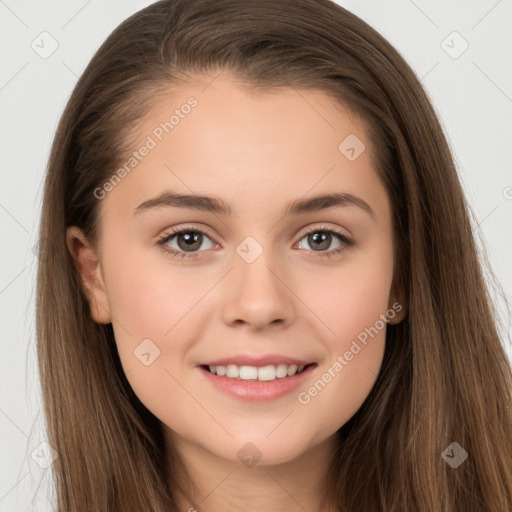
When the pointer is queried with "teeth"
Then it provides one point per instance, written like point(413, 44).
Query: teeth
point(270, 372)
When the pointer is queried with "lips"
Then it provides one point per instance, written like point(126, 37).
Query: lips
point(251, 390)
point(257, 361)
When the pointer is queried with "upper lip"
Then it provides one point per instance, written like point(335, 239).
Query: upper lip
point(264, 360)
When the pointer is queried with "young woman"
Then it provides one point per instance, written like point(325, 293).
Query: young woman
point(261, 290)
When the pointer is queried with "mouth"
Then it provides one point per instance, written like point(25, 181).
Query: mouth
point(265, 373)
point(257, 383)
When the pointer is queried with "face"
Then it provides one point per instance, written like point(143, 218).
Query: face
point(276, 284)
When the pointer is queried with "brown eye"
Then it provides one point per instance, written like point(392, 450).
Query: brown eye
point(320, 240)
point(189, 240)
point(180, 242)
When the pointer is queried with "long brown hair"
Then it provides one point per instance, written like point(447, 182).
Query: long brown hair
point(445, 377)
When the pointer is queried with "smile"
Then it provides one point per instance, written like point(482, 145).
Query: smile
point(257, 383)
point(261, 373)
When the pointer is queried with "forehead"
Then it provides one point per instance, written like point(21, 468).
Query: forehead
point(253, 147)
point(226, 114)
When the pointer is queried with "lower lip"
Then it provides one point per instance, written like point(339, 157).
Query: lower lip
point(255, 390)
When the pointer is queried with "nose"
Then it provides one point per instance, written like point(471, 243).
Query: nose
point(257, 294)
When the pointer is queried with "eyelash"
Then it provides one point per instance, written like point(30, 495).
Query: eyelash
point(161, 242)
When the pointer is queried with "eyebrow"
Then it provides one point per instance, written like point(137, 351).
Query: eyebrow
point(219, 206)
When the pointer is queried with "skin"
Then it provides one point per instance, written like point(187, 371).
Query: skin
point(257, 151)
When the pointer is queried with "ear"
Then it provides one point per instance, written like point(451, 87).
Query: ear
point(89, 268)
point(397, 303)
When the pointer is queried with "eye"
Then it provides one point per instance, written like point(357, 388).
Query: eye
point(321, 238)
point(188, 240)
point(184, 243)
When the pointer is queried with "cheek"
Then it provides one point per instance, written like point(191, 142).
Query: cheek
point(149, 297)
point(351, 298)
point(146, 305)
point(149, 318)
point(355, 342)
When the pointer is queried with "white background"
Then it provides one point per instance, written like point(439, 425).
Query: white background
point(472, 94)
